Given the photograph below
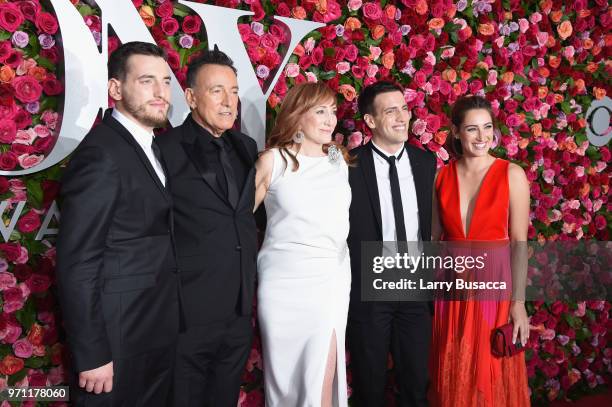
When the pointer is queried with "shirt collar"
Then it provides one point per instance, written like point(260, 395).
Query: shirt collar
point(389, 155)
point(142, 136)
point(207, 137)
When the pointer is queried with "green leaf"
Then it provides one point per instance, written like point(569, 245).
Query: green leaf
point(86, 10)
point(36, 362)
point(27, 315)
point(326, 76)
point(181, 11)
point(45, 63)
point(13, 379)
point(49, 102)
point(183, 56)
point(4, 35)
point(35, 193)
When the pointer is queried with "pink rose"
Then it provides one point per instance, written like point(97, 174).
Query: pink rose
point(23, 137)
point(354, 5)
point(372, 11)
point(46, 23)
point(13, 299)
point(41, 131)
point(433, 123)
point(22, 348)
point(7, 280)
point(10, 17)
point(11, 332)
point(343, 67)
point(29, 161)
point(292, 70)
point(23, 256)
point(355, 140)
point(28, 222)
point(8, 131)
point(27, 89)
point(419, 126)
point(351, 53)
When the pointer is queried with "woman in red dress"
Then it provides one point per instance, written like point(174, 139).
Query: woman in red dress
point(478, 198)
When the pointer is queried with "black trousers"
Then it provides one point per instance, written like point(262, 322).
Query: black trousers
point(374, 329)
point(139, 381)
point(210, 360)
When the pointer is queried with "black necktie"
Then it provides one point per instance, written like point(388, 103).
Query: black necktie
point(228, 170)
point(396, 200)
point(157, 154)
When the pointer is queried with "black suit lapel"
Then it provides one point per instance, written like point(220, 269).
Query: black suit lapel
point(420, 184)
point(110, 121)
point(366, 162)
point(243, 152)
point(194, 151)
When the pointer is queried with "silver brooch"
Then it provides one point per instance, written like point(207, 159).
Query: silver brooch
point(333, 154)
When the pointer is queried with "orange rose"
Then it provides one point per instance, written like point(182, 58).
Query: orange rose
point(559, 98)
point(348, 92)
point(588, 43)
point(544, 72)
point(542, 92)
point(486, 29)
point(299, 50)
point(595, 50)
point(38, 72)
point(321, 6)
point(536, 129)
point(352, 24)
point(584, 191)
point(299, 12)
point(584, 13)
point(599, 93)
point(550, 42)
point(388, 60)
point(452, 10)
point(482, 65)
point(436, 24)
point(523, 143)
point(546, 6)
point(508, 77)
point(592, 67)
point(465, 75)
point(608, 40)
point(10, 365)
point(556, 16)
point(390, 11)
point(554, 61)
point(147, 15)
point(422, 7)
point(273, 100)
point(565, 29)
point(449, 75)
point(378, 31)
point(579, 84)
point(6, 74)
point(35, 336)
point(456, 89)
point(440, 137)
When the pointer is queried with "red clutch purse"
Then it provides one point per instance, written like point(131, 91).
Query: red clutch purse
point(501, 341)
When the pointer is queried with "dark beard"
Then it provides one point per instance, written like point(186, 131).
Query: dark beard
point(139, 113)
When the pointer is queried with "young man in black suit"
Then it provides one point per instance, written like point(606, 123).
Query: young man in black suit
point(212, 173)
point(116, 268)
point(392, 197)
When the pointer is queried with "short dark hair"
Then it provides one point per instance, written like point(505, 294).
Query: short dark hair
point(463, 105)
point(365, 102)
point(208, 57)
point(117, 62)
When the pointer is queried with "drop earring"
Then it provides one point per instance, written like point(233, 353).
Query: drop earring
point(298, 137)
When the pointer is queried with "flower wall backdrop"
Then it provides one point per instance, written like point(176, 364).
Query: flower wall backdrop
point(541, 63)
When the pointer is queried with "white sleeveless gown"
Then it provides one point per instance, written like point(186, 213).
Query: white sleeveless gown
point(304, 280)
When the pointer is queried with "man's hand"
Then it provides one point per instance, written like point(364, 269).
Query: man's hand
point(98, 379)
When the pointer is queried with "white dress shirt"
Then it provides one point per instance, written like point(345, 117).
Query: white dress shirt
point(408, 195)
point(144, 140)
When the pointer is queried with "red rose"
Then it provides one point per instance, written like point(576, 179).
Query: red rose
point(137, 3)
point(165, 9)
point(174, 60)
point(8, 130)
point(277, 32)
point(4, 185)
point(38, 283)
point(14, 59)
point(192, 24)
point(258, 10)
point(22, 272)
point(53, 56)
point(10, 17)
point(5, 50)
point(27, 89)
point(372, 11)
point(29, 9)
point(8, 161)
point(51, 86)
point(46, 23)
point(169, 26)
point(283, 10)
point(10, 365)
point(28, 222)
point(22, 118)
point(269, 42)
point(42, 145)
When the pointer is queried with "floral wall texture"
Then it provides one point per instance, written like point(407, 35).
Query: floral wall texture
point(541, 63)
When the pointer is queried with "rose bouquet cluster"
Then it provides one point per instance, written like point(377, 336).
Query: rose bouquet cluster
point(540, 63)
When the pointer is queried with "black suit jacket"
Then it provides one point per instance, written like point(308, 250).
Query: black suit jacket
point(116, 267)
point(216, 243)
point(365, 213)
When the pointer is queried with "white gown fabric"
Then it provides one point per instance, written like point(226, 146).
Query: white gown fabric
point(304, 280)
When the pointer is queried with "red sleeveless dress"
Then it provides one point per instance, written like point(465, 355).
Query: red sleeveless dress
point(464, 371)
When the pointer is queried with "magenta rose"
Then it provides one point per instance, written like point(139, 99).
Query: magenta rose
point(10, 17)
point(27, 88)
point(4, 185)
point(8, 130)
point(28, 222)
point(46, 23)
point(22, 271)
point(165, 10)
point(7, 280)
point(372, 11)
point(22, 118)
point(11, 332)
point(174, 60)
point(38, 283)
point(192, 24)
point(29, 9)
point(5, 50)
point(42, 145)
point(14, 59)
point(22, 348)
point(169, 25)
point(13, 299)
point(8, 161)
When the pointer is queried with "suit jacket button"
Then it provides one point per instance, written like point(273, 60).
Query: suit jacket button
point(238, 248)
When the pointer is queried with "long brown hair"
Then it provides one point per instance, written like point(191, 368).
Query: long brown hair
point(459, 111)
point(296, 103)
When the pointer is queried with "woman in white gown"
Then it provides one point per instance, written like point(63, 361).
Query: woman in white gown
point(303, 265)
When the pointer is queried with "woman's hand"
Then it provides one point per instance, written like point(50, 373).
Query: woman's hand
point(518, 316)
